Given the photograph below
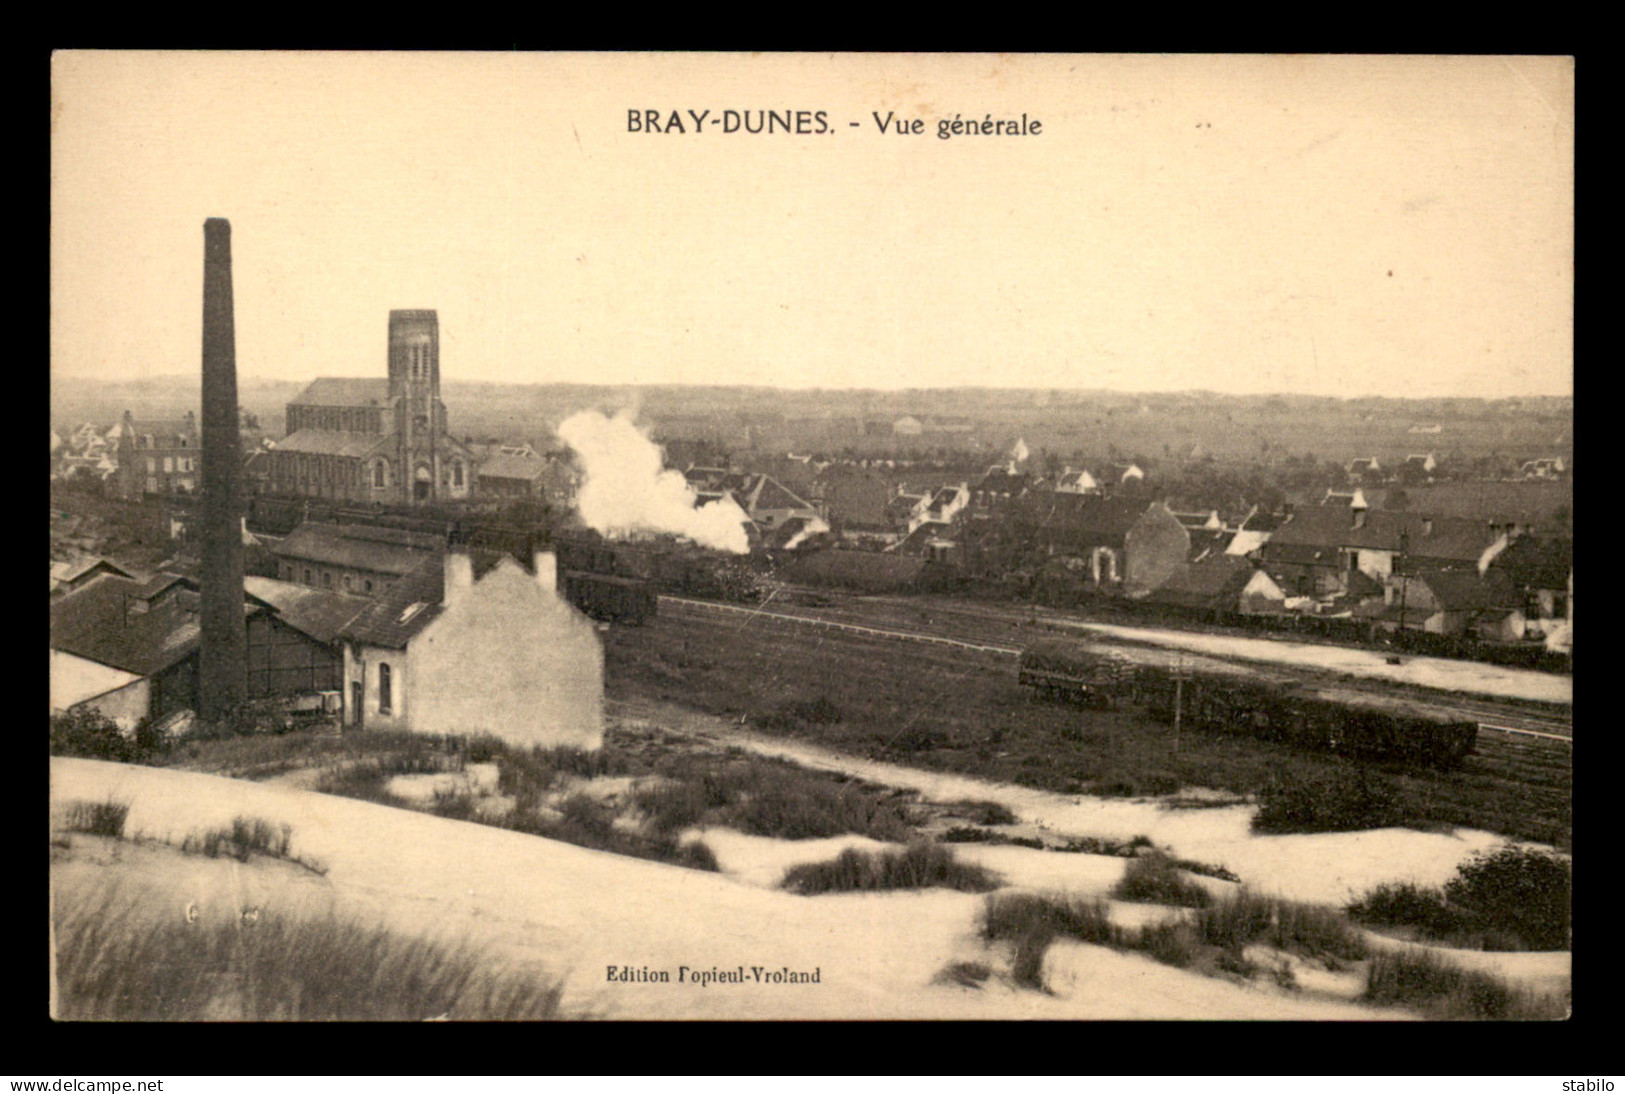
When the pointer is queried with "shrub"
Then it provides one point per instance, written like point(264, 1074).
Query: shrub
point(117, 961)
point(918, 866)
point(673, 806)
point(90, 734)
point(1406, 904)
point(1153, 879)
point(1517, 889)
point(1417, 978)
point(792, 804)
point(1339, 803)
point(586, 813)
point(103, 818)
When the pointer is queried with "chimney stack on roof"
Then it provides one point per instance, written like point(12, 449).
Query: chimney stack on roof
point(459, 572)
point(223, 648)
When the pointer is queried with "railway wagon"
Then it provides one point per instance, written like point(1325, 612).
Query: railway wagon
point(610, 599)
point(1076, 673)
point(1303, 715)
point(1239, 699)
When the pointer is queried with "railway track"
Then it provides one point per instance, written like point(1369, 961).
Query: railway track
point(1494, 717)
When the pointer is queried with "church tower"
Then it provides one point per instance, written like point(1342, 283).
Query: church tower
point(414, 392)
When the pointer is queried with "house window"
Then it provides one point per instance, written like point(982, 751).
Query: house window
point(327, 579)
point(457, 473)
point(384, 704)
point(152, 465)
point(169, 465)
point(308, 580)
point(378, 474)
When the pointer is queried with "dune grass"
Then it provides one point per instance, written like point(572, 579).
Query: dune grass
point(1423, 981)
point(1154, 879)
point(98, 818)
point(918, 866)
point(116, 960)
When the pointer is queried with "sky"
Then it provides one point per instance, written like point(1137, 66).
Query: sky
point(1313, 225)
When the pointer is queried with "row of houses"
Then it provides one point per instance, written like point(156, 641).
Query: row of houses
point(463, 642)
point(1422, 468)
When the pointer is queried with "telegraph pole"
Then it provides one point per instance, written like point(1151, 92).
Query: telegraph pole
point(1180, 676)
point(1404, 578)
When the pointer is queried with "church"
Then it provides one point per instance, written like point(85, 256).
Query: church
point(380, 440)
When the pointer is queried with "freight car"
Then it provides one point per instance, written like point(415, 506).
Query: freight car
point(1066, 670)
point(1228, 698)
point(610, 599)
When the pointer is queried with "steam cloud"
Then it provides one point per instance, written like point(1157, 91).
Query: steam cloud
point(1019, 453)
point(626, 490)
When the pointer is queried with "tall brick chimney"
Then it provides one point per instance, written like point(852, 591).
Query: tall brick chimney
point(223, 649)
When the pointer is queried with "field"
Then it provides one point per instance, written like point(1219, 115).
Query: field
point(958, 710)
point(1077, 425)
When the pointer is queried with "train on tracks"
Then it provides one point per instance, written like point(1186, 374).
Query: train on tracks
point(591, 569)
point(1229, 698)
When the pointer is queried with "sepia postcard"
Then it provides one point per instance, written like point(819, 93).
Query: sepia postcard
point(810, 536)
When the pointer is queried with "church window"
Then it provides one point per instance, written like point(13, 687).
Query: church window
point(378, 474)
point(457, 473)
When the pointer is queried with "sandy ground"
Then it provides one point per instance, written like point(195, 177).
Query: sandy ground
point(1327, 868)
point(1430, 672)
point(576, 912)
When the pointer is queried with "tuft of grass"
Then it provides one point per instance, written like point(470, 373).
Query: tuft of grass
point(1315, 931)
point(118, 961)
point(453, 804)
point(918, 866)
point(244, 837)
point(1032, 922)
point(1154, 879)
point(1170, 943)
point(1307, 929)
point(1231, 924)
point(983, 812)
point(967, 974)
point(103, 818)
point(1424, 981)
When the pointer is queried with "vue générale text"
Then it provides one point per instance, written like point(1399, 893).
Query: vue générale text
point(807, 123)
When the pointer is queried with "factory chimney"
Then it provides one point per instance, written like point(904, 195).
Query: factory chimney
point(223, 649)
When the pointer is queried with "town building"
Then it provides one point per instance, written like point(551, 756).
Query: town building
point(157, 457)
point(358, 559)
point(129, 647)
point(460, 648)
point(377, 440)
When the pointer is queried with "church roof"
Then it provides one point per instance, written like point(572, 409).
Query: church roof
point(344, 391)
point(504, 466)
point(333, 442)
